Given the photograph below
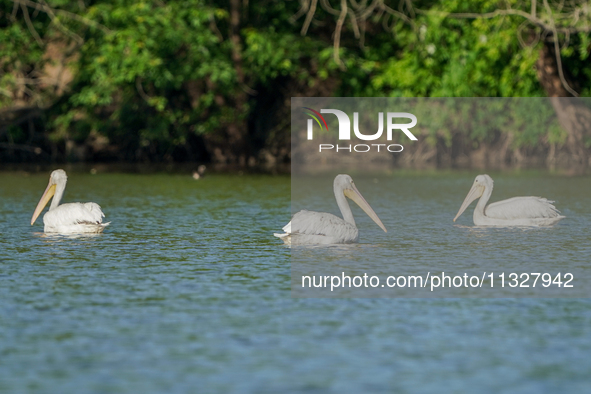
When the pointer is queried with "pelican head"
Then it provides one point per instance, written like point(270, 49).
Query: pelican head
point(481, 183)
point(345, 184)
point(57, 177)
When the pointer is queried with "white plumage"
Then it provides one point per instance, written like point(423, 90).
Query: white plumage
point(319, 228)
point(309, 227)
point(75, 217)
point(68, 218)
point(516, 211)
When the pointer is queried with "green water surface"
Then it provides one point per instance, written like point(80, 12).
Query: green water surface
point(188, 291)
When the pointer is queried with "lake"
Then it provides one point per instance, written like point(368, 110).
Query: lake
point(418, 208)
point(188, 291)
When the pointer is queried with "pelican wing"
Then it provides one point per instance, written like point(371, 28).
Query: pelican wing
point(318, 223)
point(73, 217)
point(522, 208)
point(319, 227)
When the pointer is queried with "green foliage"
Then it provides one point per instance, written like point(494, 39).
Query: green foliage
point(18, 51)
point(142, 66)
point(527, 121)
point(150, 74)
point(452, 57)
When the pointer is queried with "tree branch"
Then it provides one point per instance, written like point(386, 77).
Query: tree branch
point(489, 15)
point(52, 14)
point(309, 17)
point(337, 34)
point(557, 53)
point(30, 25)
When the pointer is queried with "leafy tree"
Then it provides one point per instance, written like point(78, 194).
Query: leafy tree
point(198, 80)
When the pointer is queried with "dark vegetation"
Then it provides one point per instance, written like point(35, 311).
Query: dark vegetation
point(204, 81)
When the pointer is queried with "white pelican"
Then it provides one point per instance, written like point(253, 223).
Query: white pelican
point(516, 211)
point(307, 227)
point(69, 218)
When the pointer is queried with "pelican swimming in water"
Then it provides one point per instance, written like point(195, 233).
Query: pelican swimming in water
point(516, 211)
point(307, 227)
point(69, 218)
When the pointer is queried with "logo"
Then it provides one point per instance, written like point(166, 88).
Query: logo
point(311, 112)
point(345, 130)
